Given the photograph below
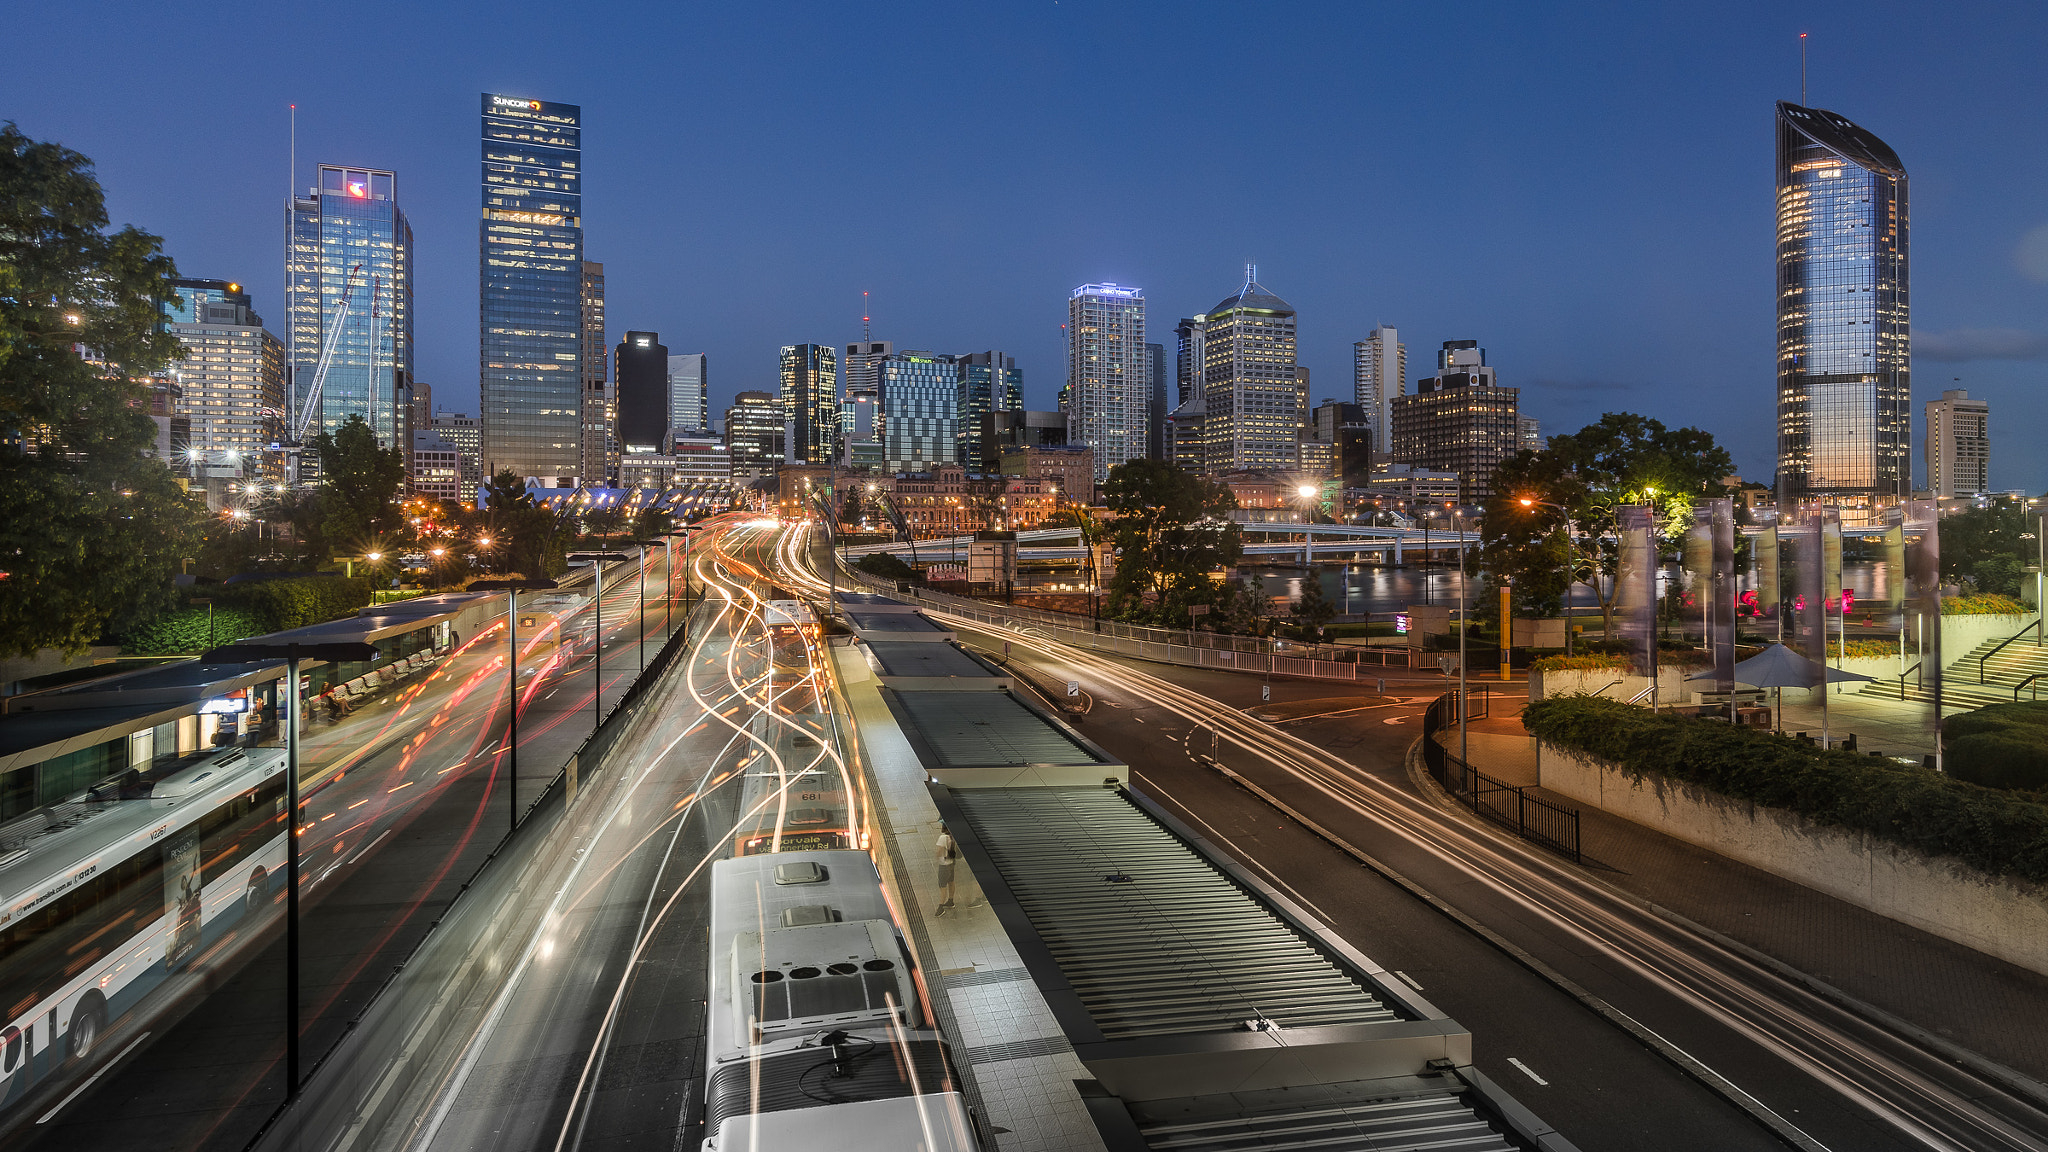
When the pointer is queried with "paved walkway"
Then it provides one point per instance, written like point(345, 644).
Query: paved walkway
point(1982, 1003)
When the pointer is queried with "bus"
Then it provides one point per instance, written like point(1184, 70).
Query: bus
point(802, 808)
point(117, 899)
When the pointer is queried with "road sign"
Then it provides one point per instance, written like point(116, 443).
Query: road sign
point(1265, 692)
point(1198, 609)
point(1073, 687)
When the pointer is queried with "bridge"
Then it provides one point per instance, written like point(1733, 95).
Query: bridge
point(1324, 541)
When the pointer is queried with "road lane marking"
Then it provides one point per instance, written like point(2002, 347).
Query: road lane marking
point(1529, 1072)
point(75, 1092)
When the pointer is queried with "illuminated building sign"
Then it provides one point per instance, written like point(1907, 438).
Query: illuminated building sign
point(531, 218)
point(509, 102)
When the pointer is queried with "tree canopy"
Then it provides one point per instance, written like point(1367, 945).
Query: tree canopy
point(1172, 532)
point(359, 485)
point(529, 538)
point(1990, 547)
point(95, 526)
point(1574, 486)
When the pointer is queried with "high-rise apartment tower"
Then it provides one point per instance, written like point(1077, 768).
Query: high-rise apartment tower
point(810, 403)
point(1109, 382)
point(1958, 445)
point(1379, 367)
point(1253, 413)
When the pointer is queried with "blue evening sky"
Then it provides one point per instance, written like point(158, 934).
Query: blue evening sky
point(1585, 189)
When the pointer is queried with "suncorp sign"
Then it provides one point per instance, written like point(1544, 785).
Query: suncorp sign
point(509, 102)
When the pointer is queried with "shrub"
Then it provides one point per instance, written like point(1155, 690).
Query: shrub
point(1983, 604)
point(2003, 746)
point(1905, 805)
point(257, 608)
point(885, 565)
point(1598, 662)
point(184, 630)
point(1860, 648)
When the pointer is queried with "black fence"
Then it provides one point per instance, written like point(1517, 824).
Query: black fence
point(1533, 818)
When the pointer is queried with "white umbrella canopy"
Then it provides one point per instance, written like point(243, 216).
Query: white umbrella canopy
point(1780, 667)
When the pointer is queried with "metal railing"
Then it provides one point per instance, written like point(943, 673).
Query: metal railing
point(1530, 817)
point(2035, 628)
point(2033, 680)
point(1162, 645)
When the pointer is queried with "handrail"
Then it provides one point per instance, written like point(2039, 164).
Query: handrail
point(1643, 693)
point(1605, 687)
point(1919, 681)
point(2035, 627)
point(2029, 680)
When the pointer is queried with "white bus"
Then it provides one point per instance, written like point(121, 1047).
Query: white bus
point(122, 888)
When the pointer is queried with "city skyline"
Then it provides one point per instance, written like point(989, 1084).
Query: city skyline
point(1603, 263)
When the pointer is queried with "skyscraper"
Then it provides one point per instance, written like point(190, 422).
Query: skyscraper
point(531, 288)
point(920, 410)
point(753, 435)
point(1157, 438)
point(641, 362)
point(466, 433)
point(860, 362)
point(1379, 366)
point(1460, 420)
point(1958, 445)
point(351, 245)
point(232, 373)
point(810, 403)
point(1108, 373)
point(989, 382)
point(599, 450)
point(689, 397)
point(1253, 412)
point(1844, 340)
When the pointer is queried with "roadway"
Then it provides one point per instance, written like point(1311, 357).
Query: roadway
point(403, 801)
point(597, 1038)
point(1537, 958)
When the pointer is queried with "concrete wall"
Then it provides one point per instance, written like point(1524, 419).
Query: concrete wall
point(2001, 917)
point(1671, 685)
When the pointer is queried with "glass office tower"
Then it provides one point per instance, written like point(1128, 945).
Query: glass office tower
point(1844, 341)
point(531, 288)
point(1252, 394)
point(920, 410)
point(351, 243)
point(810, 403)
point(989, 382)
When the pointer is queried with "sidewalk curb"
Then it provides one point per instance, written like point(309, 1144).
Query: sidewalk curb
point(1678, 1057)
point(2011, 1079)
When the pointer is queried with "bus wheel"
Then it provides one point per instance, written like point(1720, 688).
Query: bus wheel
point(87, 1023)
point(252, 900)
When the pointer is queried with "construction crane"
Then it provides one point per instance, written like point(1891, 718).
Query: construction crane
point(295, 439)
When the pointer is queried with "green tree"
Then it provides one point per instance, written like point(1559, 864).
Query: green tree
point(94, 526)
point(1312, 609)
point(1172, 533)
point(1551, 521)
point(526, 537)
point(359, 484)
point(1990, 547)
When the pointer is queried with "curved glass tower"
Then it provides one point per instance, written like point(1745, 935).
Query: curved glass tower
point(1844, 341)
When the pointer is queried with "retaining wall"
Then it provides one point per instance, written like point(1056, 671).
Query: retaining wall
point(1996, 915)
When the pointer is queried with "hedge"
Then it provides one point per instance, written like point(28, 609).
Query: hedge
point(2002, 746)
point(243, 610)
point(185, 630)
point(1599, 662)
point(1905, 805)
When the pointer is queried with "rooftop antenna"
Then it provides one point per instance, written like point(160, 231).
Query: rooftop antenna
point(865, 338)
point(1802, 70)
point(1251, 274)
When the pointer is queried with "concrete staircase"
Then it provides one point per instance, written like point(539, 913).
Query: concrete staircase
point(2003, 672)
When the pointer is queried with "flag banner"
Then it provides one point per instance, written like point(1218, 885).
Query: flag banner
point(1636, 586)
point(1721, 618)
point(1766, 598)
point(1920, 532)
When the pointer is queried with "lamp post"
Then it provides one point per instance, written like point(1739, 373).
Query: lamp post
point(597, 562)
point(512, 589)
point(1464, 618)
point(335, 653)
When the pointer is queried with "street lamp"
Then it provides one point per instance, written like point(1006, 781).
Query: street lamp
point(597, 562)
point(512, 588)
point(340, 652)
point(1571, 541)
